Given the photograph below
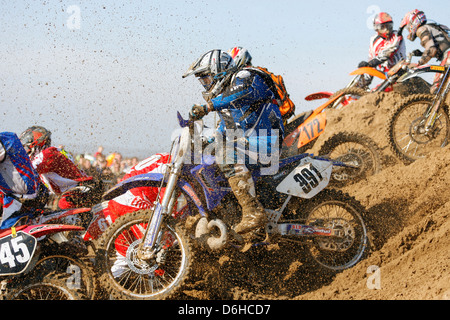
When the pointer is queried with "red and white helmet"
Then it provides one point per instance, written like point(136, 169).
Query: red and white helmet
point(412, 21)
point(383, 24)
point(35, 138)
point(241, 56)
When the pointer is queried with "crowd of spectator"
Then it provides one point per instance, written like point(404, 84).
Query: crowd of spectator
point(108, 168)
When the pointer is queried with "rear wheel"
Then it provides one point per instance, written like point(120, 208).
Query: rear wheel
point(354, 149)
point(335, 210)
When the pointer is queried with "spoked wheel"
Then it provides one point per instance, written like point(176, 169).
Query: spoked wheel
point(126, 275)
point(408, 138)
point(75, 274)
point(331, 209)
point(355, 149)
point(49, 290)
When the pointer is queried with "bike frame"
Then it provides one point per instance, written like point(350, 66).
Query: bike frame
point(210, 180)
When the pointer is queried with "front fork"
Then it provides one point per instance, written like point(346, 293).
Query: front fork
point(438, 101)
point(161, 210)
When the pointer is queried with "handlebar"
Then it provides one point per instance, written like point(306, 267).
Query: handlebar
point(415, 53)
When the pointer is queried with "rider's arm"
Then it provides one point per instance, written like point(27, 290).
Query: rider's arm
point(426, 40)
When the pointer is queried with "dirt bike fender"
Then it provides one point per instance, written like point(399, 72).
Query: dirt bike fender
point(307, 179)
point(421, 69)
point(319, 95)
point(370, 71)
point(61, 214)
point(45, 229)
point(142, 180)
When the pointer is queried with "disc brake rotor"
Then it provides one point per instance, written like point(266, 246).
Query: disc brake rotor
point(138, 265)
point(418, 133)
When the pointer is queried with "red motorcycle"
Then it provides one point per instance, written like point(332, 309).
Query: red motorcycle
point(37, 264)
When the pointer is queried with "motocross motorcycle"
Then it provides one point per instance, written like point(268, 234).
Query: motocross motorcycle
point(400, 78)
point(362, 152)
point(420, 123)
point(93, 222)
point(147, 254)
point(34, 264)
point(59, 256)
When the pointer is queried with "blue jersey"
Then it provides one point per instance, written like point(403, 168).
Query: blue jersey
point(17, 175)
point(248, 104)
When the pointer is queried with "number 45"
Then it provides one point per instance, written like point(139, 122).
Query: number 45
point(6, 255)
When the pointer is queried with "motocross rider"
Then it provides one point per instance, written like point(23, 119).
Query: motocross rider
point(20, 188)
point(57, 169)
point(432, 37)
point(387, 47)
point(244, 102)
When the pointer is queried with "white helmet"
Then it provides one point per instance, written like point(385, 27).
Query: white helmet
point(211, 69)
point(241, 56)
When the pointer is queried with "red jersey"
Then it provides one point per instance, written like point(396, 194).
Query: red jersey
point(57, 170)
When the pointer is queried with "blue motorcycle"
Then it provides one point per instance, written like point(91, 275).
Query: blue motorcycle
point(148, 254)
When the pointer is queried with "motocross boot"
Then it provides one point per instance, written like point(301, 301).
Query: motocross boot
point(253, 214)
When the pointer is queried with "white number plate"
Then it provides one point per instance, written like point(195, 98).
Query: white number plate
point(309, 178)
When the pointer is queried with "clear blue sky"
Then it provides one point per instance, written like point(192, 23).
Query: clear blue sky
point(109, 72)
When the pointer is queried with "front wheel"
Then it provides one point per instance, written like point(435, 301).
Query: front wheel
point(408, 138)
point(331, 209)
point(48, 290)
point(126, 276)
point(354, 149)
